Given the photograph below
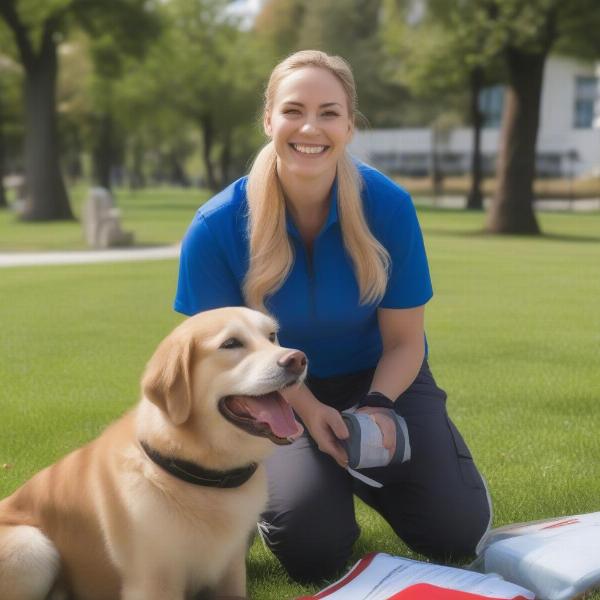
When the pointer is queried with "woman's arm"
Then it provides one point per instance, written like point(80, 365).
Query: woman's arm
point(402, 334)
point(403, 337)
point(324, 423)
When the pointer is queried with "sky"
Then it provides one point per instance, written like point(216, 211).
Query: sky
point(246, 9)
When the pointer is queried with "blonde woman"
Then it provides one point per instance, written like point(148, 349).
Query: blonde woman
point(334, 251)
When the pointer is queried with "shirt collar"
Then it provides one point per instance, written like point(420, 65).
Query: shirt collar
point(332, 215)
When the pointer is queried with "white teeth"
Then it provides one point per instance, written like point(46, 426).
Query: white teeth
point(308, 149)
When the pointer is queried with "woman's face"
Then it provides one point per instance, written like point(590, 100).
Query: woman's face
point(309, 123)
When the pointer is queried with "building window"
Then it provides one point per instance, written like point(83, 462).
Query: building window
point(585, 97)
point(491, 101)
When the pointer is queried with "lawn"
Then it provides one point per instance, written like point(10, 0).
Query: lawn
point(514, 333)
point(157, 216)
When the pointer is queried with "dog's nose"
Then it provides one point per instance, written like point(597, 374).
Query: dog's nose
point(294, 362)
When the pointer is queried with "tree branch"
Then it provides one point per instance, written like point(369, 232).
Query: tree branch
point(9, 12)
point(551, 27)
point(50, 26)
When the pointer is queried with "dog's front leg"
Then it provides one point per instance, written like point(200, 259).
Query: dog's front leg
point(233, 582)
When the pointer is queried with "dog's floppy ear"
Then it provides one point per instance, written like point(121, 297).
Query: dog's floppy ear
point(167, 380)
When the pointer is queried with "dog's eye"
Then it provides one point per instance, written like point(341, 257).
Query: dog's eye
point(231, 343)
point(273, 337)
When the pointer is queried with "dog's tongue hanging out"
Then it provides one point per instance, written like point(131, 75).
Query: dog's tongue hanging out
point(270, 409)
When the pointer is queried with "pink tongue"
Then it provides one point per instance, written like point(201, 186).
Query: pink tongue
point(274, 411)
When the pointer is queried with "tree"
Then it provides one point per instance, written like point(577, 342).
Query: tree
point(158, 138)
point(349, 28)
point(74, 102)
point(446, 55)
point(210, 71)
point(4, 62)
point(112, 107)
point(37, 27)
point(3, 201)
point(10, 114)
point(278, 24)
point(530, 31)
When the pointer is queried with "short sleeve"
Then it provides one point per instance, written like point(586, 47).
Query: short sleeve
point(205, 280)
point(409, 282)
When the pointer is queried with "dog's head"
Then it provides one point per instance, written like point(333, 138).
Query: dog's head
point(219, 376)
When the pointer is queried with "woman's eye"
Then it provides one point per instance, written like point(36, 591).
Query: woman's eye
point(330, 113)
point(231, 343)
point(273, 338)
point(291, 111)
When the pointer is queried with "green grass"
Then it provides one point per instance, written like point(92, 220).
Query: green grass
point(514, 332)
point(157, 216)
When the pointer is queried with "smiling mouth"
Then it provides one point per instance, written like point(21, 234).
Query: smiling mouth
point(311, 150)
point(267, 415)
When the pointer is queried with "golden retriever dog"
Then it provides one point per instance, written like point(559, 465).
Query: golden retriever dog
point(161, 506)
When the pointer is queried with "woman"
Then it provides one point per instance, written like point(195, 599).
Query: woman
point(334, 251)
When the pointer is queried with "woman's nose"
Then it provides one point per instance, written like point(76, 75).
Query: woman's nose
point(309, 126)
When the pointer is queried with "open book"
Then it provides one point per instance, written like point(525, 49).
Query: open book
point(383, 577)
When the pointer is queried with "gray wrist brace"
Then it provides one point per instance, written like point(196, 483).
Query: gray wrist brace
point(364, 445)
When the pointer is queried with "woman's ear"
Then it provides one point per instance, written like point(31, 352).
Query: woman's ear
point(267, 124)
point(350, 132)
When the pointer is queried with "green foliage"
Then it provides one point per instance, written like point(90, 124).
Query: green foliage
point(181, 74)
point(130, 23)
point(11, 107)
point(208, 70)
point(436, 53)
point(278, 25)
point(577, 29)
point(349, 28)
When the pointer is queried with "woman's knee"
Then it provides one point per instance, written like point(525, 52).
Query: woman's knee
point(451, 534)
point(309, 550)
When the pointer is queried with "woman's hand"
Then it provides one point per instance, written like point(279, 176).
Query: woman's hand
point(386, 423)
point(327, 428)
point(324, 423)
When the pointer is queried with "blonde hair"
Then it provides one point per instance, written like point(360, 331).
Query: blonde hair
point(271, 253)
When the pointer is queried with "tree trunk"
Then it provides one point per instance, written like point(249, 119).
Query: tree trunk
point(225, 158)
point(103, 150)
point(208, 137)
point(74, 166)
point(435, 167)
point(47, 196)
point(177, 175)
point(475, 196)
point(137, 179)
point(512, 206)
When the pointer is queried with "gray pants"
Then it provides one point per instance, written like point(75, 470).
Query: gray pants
point(436, 503)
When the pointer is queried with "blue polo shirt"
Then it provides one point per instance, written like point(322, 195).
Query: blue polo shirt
point(318, 305)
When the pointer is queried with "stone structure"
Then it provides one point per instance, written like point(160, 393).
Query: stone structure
point(101, 221)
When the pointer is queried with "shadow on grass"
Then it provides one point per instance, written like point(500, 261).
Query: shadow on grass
point(570, 238)
point(133, 206)
point(428, 208)
point(146, 245)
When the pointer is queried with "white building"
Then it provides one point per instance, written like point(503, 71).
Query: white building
point(568, 137)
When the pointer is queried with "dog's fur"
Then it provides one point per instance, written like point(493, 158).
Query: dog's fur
point(105, 522)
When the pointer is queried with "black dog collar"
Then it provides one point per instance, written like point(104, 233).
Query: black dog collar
point(195, 474)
